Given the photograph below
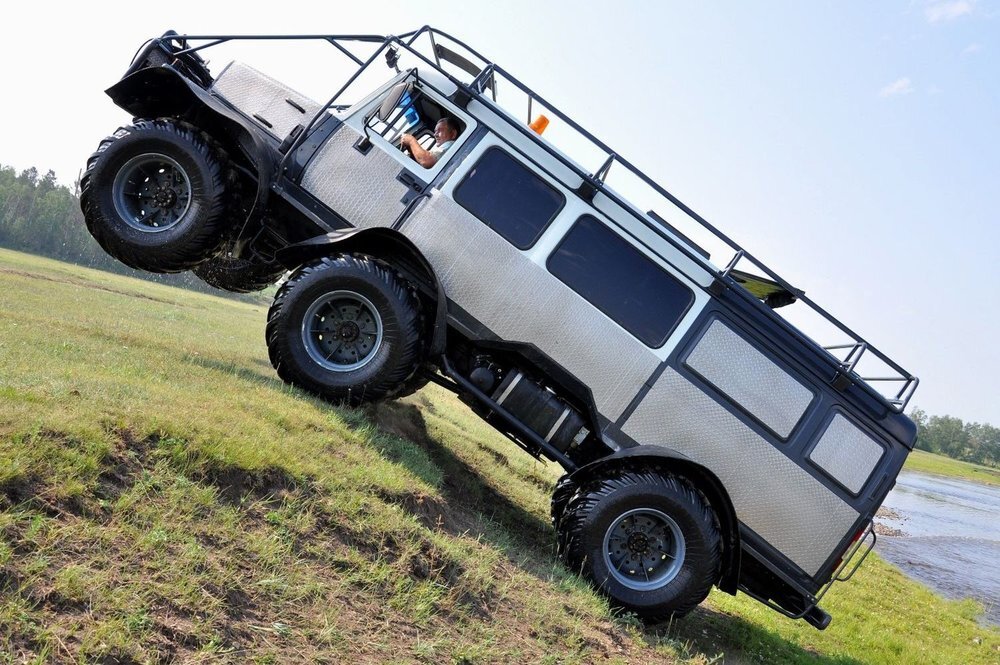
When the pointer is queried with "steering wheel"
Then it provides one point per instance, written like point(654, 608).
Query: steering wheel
point(403, 147)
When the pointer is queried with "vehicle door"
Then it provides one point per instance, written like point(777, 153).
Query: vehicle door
point(361, 172)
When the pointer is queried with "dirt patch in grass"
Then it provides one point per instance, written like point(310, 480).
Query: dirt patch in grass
point(19, 489)
point(128, 456)
point(40, 488)
point(236, 484)
point(87, 285)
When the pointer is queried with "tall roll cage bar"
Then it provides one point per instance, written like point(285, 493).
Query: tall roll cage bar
point(484, 82)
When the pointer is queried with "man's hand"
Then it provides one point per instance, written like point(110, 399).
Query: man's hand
point(417, 151)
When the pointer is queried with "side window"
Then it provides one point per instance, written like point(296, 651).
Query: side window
point(408, 109)
point(620, 281)
point(847, 453)
point(750, 378)
point(397, 113)
point(509, 198)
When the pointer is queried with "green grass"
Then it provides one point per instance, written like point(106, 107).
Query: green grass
point(163, 496)
point(925, 462)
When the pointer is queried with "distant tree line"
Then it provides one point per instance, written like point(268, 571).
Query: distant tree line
point(947, 435)
point(40, 216)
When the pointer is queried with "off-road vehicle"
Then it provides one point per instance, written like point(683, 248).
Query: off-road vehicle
point(706, 438)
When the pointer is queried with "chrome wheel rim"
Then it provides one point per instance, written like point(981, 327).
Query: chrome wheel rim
point(342, 331)
point(152, 193)
point(644, 549)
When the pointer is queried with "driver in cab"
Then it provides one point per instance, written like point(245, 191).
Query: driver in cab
point(445, 133)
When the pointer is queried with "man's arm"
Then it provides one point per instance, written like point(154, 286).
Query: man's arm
point(423, 157)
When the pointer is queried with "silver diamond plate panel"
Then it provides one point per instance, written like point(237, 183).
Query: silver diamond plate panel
point(750, 378)
point(520, 301)
point(772, 495)
point(361, 188)
point(255, 93)
point(846, 453)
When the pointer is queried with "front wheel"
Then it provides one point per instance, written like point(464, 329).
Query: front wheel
point(648, 541)
point(154, 196)
point(346, 329)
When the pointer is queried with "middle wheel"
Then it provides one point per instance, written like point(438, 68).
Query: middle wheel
point(346, 329)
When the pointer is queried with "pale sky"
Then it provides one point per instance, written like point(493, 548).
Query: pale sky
point(854, 146)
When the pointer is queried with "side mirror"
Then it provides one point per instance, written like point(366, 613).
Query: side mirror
point(392, 100)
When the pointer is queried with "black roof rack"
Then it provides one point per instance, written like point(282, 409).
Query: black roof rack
point(848, 353)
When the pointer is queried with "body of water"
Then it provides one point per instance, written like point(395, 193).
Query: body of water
point(952, 537)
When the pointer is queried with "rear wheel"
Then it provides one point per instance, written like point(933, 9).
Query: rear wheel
point(154, 196)
point(650, 542)
point(346, 329)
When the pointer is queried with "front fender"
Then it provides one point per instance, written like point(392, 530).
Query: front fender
point(387, 245)
point(157, 92)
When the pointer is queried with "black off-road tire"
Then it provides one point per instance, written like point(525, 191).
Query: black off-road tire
point(239, 274)
point(599, 513)
point(293, 340)
point(154, 196)
point(564, 491)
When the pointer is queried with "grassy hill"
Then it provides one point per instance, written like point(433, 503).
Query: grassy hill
point(164, 497)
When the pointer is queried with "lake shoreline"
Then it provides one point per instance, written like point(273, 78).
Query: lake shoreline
point(921, 461)
point(938, 531)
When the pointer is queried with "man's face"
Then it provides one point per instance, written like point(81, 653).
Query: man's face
point(442, 134)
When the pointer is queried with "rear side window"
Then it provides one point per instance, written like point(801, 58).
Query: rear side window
point(509, 198)
point(621, 281)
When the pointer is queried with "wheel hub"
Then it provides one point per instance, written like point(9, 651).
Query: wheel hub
point(152, 192)
point(643, 549)
point(638, 543)
point(165, 198)
point(348, 331)
point(342, 331)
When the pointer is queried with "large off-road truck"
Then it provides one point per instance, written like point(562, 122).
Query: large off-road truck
point(706, 439)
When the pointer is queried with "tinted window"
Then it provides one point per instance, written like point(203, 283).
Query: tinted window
point(509, 198)
point(620, 281)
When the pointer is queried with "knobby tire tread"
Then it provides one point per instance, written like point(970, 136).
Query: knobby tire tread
point(389, 384)
point(570, 533)
point(209, 236)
